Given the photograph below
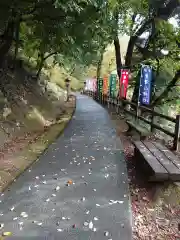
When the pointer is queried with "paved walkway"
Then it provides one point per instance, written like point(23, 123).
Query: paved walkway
point(94, 206)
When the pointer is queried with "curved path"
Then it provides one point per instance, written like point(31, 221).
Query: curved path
point(40, 205)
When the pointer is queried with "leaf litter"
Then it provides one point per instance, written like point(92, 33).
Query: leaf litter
point(152, 220)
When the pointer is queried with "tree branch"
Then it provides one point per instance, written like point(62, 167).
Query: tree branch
point(132, 23)
point(38, 4)
point(143, 27)
point(132, 42)
point(49, 55)
point(171, 84)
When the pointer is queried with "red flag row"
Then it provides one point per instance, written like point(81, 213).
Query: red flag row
point(91, 84)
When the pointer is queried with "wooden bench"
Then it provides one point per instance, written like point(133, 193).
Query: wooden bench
point(160, 163)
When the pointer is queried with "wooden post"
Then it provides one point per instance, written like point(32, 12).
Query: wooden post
point(120, 106)
point(177, 134)
point(67, 83)
point(103, 98)
point(111, 102)
point(152, 120)
point(108, 101)
point(84, 92)
point(137, 111)
point(114, 102)
point(95, 95)
point(117, 106)
point(106, 98)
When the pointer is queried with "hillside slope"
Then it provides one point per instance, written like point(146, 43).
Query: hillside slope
point(27, 105)
point(32, 114)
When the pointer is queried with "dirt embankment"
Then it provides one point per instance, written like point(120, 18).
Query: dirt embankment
point(32, 114)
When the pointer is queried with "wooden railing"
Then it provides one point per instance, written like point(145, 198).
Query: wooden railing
point(137, 111)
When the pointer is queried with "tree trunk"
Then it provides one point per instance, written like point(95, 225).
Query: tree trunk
point(43, 58)
point(132, 42)
point(158, 67)
point(40, 66)
point(68, 92)
point(17, 31)
point(7, 39)
point(6, 85)
point(164, 94)
point(98, 73)
point(129, 53)
point(117, 45)
point(118, 56)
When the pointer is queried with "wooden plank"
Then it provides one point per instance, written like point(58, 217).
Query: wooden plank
point(170, 155)
point(159, 171)
point(141, 130)
point(149, 110)
point(171, 119)
point(174, 172)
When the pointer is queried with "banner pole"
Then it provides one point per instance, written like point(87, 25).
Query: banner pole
point(139, 102)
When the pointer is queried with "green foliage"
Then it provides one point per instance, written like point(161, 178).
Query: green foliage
point(74, 30)
point(76, 33)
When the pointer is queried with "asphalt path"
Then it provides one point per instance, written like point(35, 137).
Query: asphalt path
point(78, 190)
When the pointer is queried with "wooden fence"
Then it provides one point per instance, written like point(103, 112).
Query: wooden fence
point(137, 111)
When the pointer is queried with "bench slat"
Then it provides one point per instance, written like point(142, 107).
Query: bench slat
point(155, 165)
point(170, 155)
point(174, 172)
point(141, 130)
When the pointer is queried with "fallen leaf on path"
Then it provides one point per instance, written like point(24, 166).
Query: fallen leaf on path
point(5, 234)
point(70, 182)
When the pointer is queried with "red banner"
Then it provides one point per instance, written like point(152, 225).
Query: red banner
point(105, 85)
point(123, 83)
